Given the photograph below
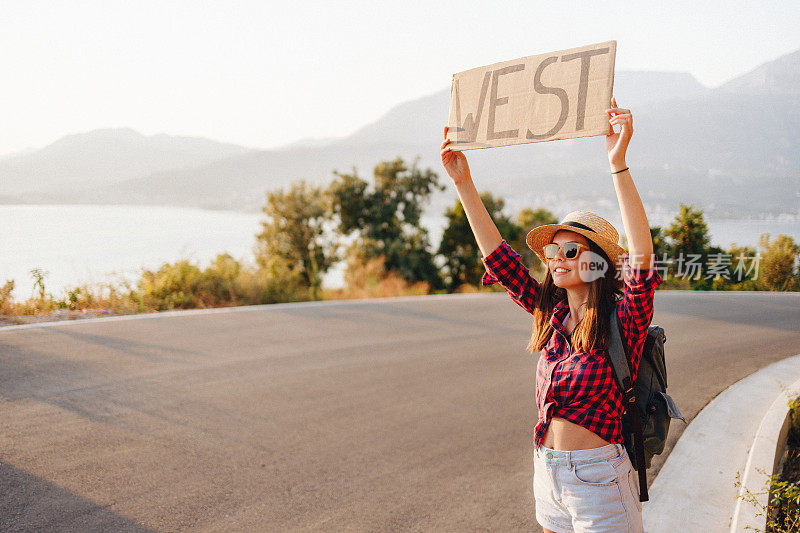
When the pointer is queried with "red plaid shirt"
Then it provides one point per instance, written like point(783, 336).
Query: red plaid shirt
point(577, 385)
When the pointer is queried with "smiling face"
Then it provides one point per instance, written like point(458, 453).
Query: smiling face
point(566, 272)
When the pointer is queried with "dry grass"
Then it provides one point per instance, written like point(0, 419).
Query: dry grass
point(371, 280)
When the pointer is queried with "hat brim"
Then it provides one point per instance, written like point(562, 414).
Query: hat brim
point(539, 236)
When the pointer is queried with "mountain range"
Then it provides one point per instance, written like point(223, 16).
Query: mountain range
point(732, 150)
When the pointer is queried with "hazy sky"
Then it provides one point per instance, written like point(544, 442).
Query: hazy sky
point(263, 74)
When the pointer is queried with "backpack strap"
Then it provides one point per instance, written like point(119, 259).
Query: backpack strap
point(616, 352)
point(621, 366)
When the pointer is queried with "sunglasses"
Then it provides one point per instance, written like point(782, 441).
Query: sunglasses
point(570, 249)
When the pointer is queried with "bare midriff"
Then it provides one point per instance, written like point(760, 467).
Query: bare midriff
point(565, 435)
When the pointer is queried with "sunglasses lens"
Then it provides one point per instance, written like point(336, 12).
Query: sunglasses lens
point(570, 250)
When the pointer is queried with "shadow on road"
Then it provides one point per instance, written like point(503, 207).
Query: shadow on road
point(29, 503)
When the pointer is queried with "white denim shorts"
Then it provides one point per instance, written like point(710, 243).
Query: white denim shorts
point(596, 490)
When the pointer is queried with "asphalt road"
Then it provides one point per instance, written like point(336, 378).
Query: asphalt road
point(401, 414)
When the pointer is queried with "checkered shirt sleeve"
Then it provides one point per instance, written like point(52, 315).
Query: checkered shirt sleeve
point(504, 265)
point(635, 310)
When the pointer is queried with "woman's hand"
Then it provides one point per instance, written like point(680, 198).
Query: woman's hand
point(454, 163)
point(617, 143)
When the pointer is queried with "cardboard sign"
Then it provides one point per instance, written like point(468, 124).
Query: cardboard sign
point(560, 95)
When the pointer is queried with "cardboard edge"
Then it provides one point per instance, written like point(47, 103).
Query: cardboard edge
point(612, 44)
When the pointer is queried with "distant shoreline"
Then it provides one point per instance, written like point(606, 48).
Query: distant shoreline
point(91, 243)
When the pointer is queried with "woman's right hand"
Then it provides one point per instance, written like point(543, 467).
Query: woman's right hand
point(454, 163)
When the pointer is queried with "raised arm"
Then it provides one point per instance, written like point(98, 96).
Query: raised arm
point(503, 263)
point(634, 219)
point(486, 233)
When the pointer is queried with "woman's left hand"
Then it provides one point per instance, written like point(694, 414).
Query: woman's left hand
point(617, 143)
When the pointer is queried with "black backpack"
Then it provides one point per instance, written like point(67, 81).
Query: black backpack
point(645, 426)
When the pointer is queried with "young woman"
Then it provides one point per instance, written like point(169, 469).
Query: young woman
point(583, 477)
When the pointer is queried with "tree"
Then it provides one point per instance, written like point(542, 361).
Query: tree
point(527, 220)
point(660, 244)
point(462, 257)
point(714, 269)
point(743, 269)
point(688, 233)
point(295, 230)
point(687, 245)
point(778, 265)
point(6, 298)
point(386, 217)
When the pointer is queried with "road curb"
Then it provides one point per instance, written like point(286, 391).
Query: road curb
point(695, 489)
point(765, 455)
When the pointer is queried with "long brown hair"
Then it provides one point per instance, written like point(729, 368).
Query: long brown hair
point(592, 331)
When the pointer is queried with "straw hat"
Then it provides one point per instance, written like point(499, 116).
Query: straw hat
point(595, 228)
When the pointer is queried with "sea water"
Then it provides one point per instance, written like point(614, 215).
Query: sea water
point(75, 244)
